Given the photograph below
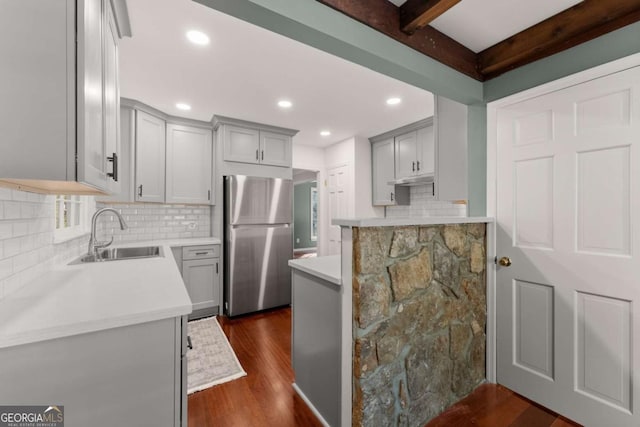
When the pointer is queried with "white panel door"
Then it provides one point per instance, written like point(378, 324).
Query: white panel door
point(150, 158)
point(275, 149)
point(188, 165)
point(568, 219)
point(337, 189)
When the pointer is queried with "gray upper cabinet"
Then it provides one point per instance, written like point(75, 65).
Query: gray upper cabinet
point(150, 158)
point(167, 159)
point(426, 151)
point(406, 154)
point(254, 143)
point(431, 150)
point(189, 158)
point(241, 145)
point(275, 149)
point(414, 152)
point(383, 172)
point(67, 78)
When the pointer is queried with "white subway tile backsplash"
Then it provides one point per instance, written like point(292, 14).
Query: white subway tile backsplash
point(26, 239)
point(150, 221)
point(423, 204)
point(27, 232)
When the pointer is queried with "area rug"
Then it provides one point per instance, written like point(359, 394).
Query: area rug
point(211, 361)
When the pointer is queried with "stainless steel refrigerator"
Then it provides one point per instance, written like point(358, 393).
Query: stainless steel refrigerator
point(258, 243)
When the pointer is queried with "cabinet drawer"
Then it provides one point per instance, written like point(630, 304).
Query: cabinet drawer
point(199, 252)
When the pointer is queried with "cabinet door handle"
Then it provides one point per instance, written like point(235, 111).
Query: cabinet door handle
point(114, 174)
point(418, 163)
point(257, 154)
point(201, 253)
point(216, 268)
point(413, 166)
point(208, 194)
point(262, 154)
point(392, 196)
point(140, 190)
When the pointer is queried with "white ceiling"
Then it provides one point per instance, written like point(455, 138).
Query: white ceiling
point(479, 24)
point(245, 70)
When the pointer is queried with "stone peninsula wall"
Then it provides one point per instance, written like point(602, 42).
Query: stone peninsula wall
point(419, 317)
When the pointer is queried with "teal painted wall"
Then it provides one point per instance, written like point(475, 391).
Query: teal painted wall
point(302, 215)
point(477, 159)
point(319, 26)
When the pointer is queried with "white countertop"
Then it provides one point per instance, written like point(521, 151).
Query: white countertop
point(324, 267)
point(390, 222)
point(81, 298)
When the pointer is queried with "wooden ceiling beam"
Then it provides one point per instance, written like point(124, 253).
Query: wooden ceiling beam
point(578, 24)
point(416, 14)
point(384, 16)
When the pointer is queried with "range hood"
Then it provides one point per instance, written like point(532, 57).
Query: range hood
point(411, 181)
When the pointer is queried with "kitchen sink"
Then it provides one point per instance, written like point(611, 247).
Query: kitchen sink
point(118, 254)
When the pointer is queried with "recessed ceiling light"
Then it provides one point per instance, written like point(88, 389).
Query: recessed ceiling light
point(183, 106)
point(284, 103)
point(394, 101)
point(325, 133)
point(198, 37)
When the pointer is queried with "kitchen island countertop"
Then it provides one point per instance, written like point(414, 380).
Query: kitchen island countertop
point(324, 267)
point(395, 222)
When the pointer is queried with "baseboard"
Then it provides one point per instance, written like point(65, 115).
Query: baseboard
point(310, 405)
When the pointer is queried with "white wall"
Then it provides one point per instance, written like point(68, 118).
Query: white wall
point(307, 157)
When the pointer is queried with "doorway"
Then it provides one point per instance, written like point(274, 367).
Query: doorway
point(305, 213)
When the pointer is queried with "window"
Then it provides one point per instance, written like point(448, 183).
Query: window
point(314, 214)
point(72, 216)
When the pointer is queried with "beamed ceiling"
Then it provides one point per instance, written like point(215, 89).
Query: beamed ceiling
point(409, 24)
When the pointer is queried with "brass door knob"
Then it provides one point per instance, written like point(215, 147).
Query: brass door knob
point(505, 261)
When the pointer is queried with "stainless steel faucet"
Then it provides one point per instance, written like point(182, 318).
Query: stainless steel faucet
point(95, 245)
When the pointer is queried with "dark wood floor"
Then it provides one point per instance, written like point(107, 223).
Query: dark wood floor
point(265, 397)
point(492, 405)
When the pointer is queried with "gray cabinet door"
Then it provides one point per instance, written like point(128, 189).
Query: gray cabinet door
point(91, 149)
point(406, 147)
point(150, 158)
point(241, 144)
point(117, 377)
point(188, 165)
point(275, 149)
point(111, 103)
point(383, 172)
point(426, 151)
point(202, 280)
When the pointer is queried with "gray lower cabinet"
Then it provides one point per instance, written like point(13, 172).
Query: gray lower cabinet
point(127, 376)
point(201, 275)
point(315, 343)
